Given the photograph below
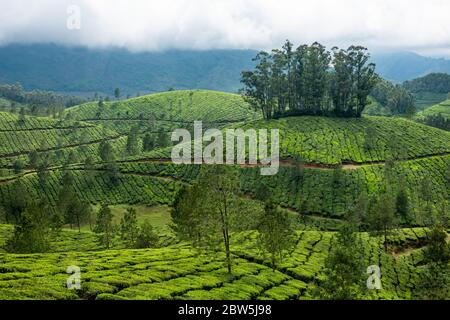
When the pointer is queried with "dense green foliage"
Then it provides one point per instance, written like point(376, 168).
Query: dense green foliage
point(339, 141)
point(433, 82)
point(395, 98)
point(437, 116)
point(35, 102)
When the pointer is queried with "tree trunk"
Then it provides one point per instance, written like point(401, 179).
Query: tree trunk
point(228, 253)
point(78, 224)
point(226, 236)
point(385, 240)
point(273, 262)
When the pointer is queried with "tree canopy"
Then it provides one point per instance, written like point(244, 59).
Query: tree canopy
point(310, 80)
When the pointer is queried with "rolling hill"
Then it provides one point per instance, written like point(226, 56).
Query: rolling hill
point(171, 108)
point(442, 108)
point(340, 160)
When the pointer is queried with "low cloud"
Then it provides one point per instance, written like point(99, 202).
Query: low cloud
point(417, 25)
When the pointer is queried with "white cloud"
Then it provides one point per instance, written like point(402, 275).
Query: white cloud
point(419, 25)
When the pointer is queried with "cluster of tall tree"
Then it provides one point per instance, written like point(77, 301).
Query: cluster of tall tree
point(37, 102)
point(131, 233)
point(310, 80)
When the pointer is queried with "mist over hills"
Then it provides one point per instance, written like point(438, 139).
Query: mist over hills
point(402, 66)
point(77, 69)
point(85, 71)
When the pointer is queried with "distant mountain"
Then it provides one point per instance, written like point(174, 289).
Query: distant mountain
point(76, 69)
point(433, 82)
point(402, 66)
point(85, 71)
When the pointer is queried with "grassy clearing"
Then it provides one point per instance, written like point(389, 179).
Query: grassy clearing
point(158, 216)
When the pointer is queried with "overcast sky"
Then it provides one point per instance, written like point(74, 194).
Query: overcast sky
point(422, 26)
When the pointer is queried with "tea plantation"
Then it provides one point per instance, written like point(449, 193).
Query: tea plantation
point(178, 272)
point(326, 164)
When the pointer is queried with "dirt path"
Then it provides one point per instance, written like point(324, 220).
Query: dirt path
point(284, 162)
point(346, 165)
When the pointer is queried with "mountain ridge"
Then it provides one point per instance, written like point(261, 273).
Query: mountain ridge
point(85, 71)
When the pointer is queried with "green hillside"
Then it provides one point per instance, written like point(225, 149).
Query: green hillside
point(423, 100)
point(172, 107)
point(368, 139)
point(178, 272)
point(339, 159)
point(336, 141)
point(442, 108)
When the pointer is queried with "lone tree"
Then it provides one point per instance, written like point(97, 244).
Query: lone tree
point(402, 205)
point(105, 152)
point(382, 218)
point(17, 166)
point(344, 267)
point(16, 203)
point(129, 227)
point(275, 232)
point(32, 232)
point(104, 227)
point(22, 117)
point(132, 146)
point(204, 213)
point(148, 142)
point(70, 208)
point(147, 237)
point(117, 93)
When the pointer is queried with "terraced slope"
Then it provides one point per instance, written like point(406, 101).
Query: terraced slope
point(321, 142)
point(442, 108)
point(178, 272)
point(168, 109)
point(53, 138)
point(96, 188)
point(428, 99)
point(335, 141)
point(325, 193)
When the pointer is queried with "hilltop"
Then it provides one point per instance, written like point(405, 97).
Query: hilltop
point(176, 106)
